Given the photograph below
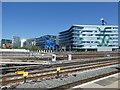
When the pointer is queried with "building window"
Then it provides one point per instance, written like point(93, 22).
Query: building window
point(108, 28)
point(115, 27)
point(114, 35)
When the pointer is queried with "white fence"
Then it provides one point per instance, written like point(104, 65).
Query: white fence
point(14, 50)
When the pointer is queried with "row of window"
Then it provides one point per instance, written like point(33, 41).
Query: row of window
point(109, 38)
point(77, 27)
point(98, 34)
point(86, 31)
point(115, 27)
point(77, 38)
point(114, 42)
point(88, 41)
point(108, 45)
point(76, 32)
point(87, 34)
point(96, 45)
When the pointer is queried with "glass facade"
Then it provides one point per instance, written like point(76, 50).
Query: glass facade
point(89, 37)
point(6, 43)
point(16, 41)
point(46, 42)
point(30, 42)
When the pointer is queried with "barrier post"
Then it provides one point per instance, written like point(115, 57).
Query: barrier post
point(58, 72)
point(69, 57)
point(25, 74)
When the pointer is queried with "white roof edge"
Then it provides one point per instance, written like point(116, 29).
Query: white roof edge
point(90, 26)
point(95, 25)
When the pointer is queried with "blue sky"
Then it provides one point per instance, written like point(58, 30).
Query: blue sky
point(29, 20)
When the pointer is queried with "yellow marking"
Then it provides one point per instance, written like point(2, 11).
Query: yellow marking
point(58, 68)
point(19, 72)
point(25, 74)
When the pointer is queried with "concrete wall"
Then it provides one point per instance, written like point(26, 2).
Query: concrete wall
point(104, 49)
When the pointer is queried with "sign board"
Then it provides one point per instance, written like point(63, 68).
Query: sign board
point(58, 68)
point(19, 72)
point(53, 57)
point(25, 74)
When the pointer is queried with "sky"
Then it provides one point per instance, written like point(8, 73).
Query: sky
point(0, 21)
point(30, 20)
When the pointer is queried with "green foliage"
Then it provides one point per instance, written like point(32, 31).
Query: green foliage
point(32, 48)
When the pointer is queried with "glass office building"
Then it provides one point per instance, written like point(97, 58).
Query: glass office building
point(46, 42)
point(89, 38)
point(6, 43)
point(43, 42)
point(16, 41)
point(30, 42)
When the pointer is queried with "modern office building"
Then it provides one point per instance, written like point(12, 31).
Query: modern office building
point(46, 42)
point(22, 42)
point(16, 41)
point(30, 42)
point(89, 38)
point(43, 42)
point(6, 43)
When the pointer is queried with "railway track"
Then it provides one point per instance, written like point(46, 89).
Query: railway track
point(66, 65)
point(41, 67)
point(48, 73)
point(60, 55)
point(87, 55)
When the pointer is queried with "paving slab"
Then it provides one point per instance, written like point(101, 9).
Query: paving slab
point(107, 83)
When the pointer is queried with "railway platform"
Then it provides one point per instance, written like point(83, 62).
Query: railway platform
point(111, 81)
